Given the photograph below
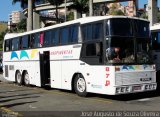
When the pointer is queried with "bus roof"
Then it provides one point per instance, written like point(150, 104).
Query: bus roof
point(80, 21)
point(155, 27)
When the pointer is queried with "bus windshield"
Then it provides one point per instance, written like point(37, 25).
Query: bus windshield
point(143, 50)
point(120, 27)
point(128, 42)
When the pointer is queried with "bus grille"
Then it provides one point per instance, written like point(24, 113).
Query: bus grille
point(134, 78)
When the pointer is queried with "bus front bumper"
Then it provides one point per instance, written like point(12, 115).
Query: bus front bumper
point(135, 88)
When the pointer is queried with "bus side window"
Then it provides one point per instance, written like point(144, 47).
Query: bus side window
point(31, 41)
point(55, 37)
point(25, 42)
point(93, 49)
point(73, 34)
point(92, 53)
point(87, 32)
point(15, 44)
point(47, 38)
point(7, 45)
point(64, 37)
point(41, 38)
point(36, 40)
point(97, 31)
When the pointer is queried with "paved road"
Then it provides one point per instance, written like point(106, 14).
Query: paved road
point(34, 101)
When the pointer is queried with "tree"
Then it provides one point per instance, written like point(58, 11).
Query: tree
point(30, 10)
point(144, 15)
point(81, 6)
point(30, 4)
point(114, 10)
point(70, 16)
point(2, 34)
point(22, 2)
point(158, 17)
point(21, 26)
point(56, 3)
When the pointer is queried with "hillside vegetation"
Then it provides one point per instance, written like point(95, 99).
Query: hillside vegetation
point(3, 26)
point(3, 29)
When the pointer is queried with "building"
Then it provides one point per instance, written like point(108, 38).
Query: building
point(14, 18)
point(131, 9)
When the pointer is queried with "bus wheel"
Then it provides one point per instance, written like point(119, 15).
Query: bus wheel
point(19, 79)
point(80, 86)
point(26, 79)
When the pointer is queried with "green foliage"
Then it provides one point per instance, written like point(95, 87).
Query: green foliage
point(22, 2)
point(2, 34)
point(144, 16)
point(70, 16)
point(3, 30)
point(3, 26)
point(115, 11)
point(80, 6)
point(21, 26)
point(158, 16)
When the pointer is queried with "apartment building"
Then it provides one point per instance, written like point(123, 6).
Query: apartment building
point(14, 18)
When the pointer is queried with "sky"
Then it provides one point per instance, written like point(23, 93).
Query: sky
point(6, 7)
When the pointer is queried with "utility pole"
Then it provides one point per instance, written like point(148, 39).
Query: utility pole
point(30, 15)
point(65, 16)
point(90, 7)
point(135, 7)
point(152, 11)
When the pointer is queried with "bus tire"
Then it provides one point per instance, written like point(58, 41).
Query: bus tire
point(19, 79)
point(80, 86)
point(26, 79)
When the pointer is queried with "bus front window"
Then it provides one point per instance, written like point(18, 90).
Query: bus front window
point(127, 41)
point(143, 50)
point(120, 50)
point(142, 41)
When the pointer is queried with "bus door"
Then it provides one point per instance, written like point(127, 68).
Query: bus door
point(45, 68)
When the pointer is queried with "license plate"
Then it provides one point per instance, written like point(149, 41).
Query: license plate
point(136, 88)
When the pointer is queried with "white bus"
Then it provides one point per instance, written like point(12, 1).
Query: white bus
point(155, 34)
point(74, 56)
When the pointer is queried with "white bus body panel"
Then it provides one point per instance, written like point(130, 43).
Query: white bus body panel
point(56, 68)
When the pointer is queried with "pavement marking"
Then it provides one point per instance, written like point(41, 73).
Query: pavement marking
point(30, 106)
point(144, 100)
point(9, 112)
